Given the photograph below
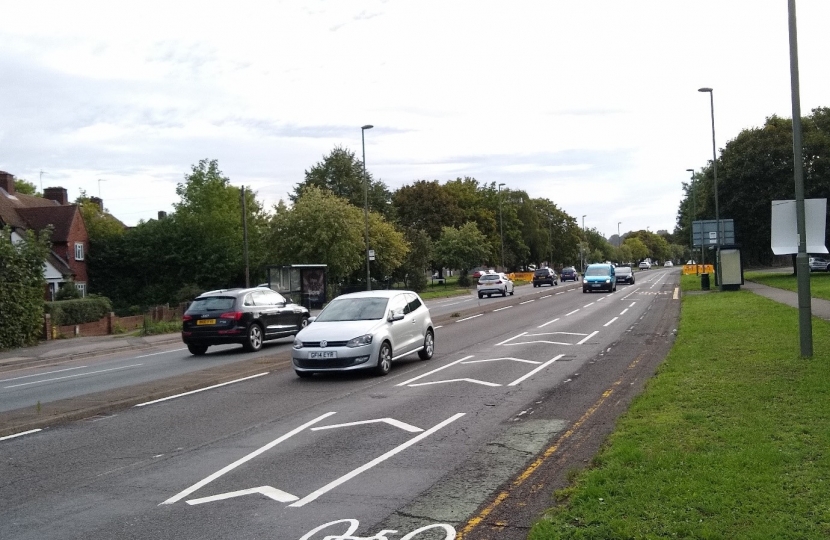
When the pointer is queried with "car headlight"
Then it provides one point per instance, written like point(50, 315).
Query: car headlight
point(360, 341)
point(608, 280)
point(298, 344)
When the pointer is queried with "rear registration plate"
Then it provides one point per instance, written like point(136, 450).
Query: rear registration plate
point(595, 284)
point(200, 322)
point(318, 355)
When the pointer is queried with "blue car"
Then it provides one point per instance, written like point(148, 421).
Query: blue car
point(599, 277)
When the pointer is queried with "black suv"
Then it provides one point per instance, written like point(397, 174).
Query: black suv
point(544, 275)
point(246, 316)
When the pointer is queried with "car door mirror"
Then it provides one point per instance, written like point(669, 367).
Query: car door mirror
point(395, 316)
point(311, 319)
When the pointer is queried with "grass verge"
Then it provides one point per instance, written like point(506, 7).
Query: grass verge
point(819, 282)
point(731, 438)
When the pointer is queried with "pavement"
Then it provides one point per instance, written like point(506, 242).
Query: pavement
point(50, 352)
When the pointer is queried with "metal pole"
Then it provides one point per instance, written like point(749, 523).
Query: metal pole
point(582, 246)
point(805, 323)
point(245, 237)
point(715, 173)
point(501, 226)
point(619, 239)
point(366, 204)
point(692, 219)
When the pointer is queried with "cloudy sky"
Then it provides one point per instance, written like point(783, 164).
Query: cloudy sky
point(592, 104)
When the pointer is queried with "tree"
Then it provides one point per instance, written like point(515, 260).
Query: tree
point(22, 287)
point(341, 173)
point(461, 248)
point(636, 248)
point(413, 271)
point(427, 206)
point(755, 168)
point(100, 225)
point(25, 187)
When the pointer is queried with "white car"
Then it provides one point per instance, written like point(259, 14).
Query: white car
point(364, 330)
point(645, 265)
point(668, 263)
point(496, 283)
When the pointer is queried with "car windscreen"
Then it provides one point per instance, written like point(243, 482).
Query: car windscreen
point(354, 309)
point(597, 271)
point(211, 303)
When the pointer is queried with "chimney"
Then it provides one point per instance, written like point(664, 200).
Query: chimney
point(162, 214)
point(57, 194)
point(98, 201)
point(7, 182)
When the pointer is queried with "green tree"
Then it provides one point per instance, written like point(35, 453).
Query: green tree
point(341, 173)
point(26, 187)
point(636, 247)
point(100, 225)
point(22, 287)
point(413, 271)
point(461, 248)
point(426, 206)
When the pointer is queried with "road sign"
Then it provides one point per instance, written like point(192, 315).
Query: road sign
point(705, 232)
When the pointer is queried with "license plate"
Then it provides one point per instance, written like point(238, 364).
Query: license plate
point(595, 284)
point(200, 322)
point(318, 355)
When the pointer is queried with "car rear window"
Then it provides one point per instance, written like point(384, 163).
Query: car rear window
point(541, 272)
point(489, 277)
point(211, 303)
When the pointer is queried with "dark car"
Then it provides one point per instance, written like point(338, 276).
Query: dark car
point(625, 274)
point(544, 276)
point(245, 316)
point(569, 274)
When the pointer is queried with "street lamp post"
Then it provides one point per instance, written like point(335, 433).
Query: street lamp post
point(501, 228)
point(692, 219)
point(715, 173)
point(619, 238)
point(582, 245)
point(366, 203)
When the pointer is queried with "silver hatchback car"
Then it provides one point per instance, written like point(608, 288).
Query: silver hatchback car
point(364, 330)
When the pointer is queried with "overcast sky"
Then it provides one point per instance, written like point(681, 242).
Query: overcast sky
point(592, 104)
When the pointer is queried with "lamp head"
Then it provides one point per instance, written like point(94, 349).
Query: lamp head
point(704, 90)
point(690, 170)
point(367, 126)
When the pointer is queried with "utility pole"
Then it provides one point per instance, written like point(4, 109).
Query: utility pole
point(245, 237)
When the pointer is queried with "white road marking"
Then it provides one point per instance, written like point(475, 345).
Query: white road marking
point(562, 292)
point(510, 339)
point(7, 437)
point(505, 358)
point(238, 462)
point(537, 370)
point(623, 311)
point(676, 294)
point(586, 305)
point(200, 390)
point(547, 323)
point(433, 371)
point(609, 322)
point(592, 334)
point(41, 374)
point(268, 491)
point(328, 487)
point(571, 313)
point(473, 381)
point(527, 301)
point(163, 352)
point(72, 376)
point(632, 304)
point(391, 421)
point(546, 296)
point(468, 318)
point(501, 308)
point(437, 327)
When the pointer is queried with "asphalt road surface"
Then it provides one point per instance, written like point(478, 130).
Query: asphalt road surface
point(520, 391)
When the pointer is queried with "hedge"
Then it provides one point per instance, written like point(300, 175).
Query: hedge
point(79, 311)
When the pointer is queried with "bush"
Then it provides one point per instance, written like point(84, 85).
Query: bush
point(21, 287)
point(68, 291)
point(79, 311)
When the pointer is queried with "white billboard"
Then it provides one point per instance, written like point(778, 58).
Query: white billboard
point(785, 228)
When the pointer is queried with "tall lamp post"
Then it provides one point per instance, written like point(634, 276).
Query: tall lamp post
point(692, 219)
point(802, 268)
point(619, 239)
point(581, 245)
point(715, 173)
point(501, 228)
point(366, 203)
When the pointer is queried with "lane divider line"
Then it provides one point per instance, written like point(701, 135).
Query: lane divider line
point(436, 370)
point(199, 390)
point(589, 336)
point(535, 371)
point(22, 433)
point(72, 376)
point(609, 322)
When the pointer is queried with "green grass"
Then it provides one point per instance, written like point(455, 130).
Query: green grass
point(819, 282)
point(730, 440)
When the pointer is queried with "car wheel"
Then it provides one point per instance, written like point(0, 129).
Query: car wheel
point(303, 324)
point(304, 374)
point(584, 291)
point(254, 340)
point(504, 293)
point(429, 346)
point(480, 296)
point(384, 359)
point(512, 292)
point(197, 350)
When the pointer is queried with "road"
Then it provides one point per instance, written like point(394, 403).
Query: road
point(275, 456)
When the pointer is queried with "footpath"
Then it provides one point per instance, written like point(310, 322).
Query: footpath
point(52, 352)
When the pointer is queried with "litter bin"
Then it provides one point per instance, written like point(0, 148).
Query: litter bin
point(704, 282)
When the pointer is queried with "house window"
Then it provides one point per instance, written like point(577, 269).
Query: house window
point(81, 288)
point(79, 251)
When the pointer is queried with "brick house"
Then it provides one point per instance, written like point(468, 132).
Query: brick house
point(70, 242)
